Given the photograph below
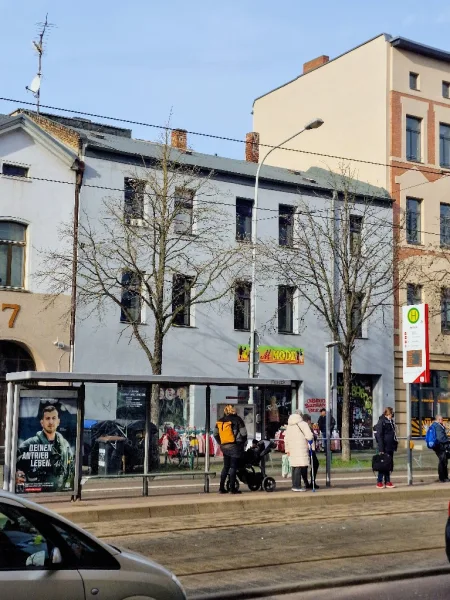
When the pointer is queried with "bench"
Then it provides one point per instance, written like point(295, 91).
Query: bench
point(150, 476)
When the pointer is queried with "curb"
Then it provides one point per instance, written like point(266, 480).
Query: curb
point(200, 506)
point(323, 584)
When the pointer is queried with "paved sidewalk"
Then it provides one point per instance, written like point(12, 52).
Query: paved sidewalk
point(113, 509)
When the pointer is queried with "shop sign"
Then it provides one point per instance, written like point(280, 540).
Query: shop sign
point(314, 405)
point(416, 352)
point(274, 354)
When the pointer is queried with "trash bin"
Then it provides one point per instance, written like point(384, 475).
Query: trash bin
point(110, 454)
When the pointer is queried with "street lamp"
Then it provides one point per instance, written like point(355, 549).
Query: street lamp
point(315, 124)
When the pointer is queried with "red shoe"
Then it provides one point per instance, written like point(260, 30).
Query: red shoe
point(380, 486)
point(390, 485)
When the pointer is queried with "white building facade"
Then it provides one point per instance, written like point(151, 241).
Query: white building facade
point(213, 340)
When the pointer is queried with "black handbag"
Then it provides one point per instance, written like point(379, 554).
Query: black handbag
point(382, 463)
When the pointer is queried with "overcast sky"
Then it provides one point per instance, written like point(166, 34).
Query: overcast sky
point(204, 60)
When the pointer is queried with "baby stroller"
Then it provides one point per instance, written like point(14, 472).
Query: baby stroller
point(255, 479)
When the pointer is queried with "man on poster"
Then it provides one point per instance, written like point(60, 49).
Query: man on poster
point(46, 458)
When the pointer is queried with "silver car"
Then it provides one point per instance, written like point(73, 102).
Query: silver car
point(46, 557)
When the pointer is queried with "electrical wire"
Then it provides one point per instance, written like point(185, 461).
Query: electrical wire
point(227, 139)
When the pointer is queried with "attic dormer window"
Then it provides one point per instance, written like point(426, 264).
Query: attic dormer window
point(11, 170)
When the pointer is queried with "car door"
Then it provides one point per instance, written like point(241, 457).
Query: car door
point(27, 570)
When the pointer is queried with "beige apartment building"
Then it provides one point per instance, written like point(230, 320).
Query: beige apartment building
point(386, 108)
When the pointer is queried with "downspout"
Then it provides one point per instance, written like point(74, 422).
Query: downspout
point(73, 307)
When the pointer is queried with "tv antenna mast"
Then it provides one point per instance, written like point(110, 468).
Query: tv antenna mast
point(35, 85)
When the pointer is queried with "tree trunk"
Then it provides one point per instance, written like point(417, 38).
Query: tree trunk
point(345, 433)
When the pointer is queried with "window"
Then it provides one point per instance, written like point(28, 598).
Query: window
point(131, 298)
point(356, 223)
point(134, 199)
point(22, 546)
point(413, 220)
point(429, 400)
point(445, 310)
point(357, 315)
point(12, 254)
point(181, 300)
point(183, 206)
point(86, 554)
point(414, 81)
point(445, 225)
point(244, 210)
point(413, 294)
point(413, 138)
point(14, 170)
point(444, 145)
point(446, 89)
point(242, 303)
point(286, 225)
point(286, 309)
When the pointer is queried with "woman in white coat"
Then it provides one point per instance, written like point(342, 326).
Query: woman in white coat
point(296, 439)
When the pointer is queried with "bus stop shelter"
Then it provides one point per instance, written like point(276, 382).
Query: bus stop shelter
point(19, 383)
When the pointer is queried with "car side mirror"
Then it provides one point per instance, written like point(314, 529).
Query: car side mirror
point(56, 556)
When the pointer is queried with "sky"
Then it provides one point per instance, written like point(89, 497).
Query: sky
point(199, 63)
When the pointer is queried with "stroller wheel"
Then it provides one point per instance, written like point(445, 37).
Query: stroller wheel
point(228, 486)
point(269, 484)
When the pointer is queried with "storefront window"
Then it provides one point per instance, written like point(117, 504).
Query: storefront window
point(173, 406)
point(361, 409)
point(277, 406)
point(429, 400)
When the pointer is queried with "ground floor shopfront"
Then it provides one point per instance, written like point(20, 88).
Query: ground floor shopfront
point(427, 400)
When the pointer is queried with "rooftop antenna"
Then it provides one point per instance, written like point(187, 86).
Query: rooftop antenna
point(35, 85)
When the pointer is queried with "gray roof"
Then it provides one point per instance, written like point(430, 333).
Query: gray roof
point(405, 44)
point(314, 177)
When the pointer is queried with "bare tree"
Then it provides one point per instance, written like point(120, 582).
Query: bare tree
point(342, 265)
point(156, 250)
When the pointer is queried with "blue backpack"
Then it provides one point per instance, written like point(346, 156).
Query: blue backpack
point(430, 437)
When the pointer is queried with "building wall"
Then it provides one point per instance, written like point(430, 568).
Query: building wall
point(210, 348)
point(426, 183)
point(350, 93)
point(42, 206)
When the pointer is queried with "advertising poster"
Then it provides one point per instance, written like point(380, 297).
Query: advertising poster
point(131, 402)
point(416, 350)
point(173, 406)
point(46, 447)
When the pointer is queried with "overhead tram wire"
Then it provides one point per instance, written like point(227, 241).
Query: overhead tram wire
point(224, 138)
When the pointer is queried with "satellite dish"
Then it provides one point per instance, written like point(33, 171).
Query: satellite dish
point(35, 84)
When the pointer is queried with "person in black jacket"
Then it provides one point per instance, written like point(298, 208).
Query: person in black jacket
point(440, 448)
point(387, 444)
point(322, 423)
point(230, 432)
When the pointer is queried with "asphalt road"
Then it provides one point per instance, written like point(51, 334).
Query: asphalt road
point(217, 553)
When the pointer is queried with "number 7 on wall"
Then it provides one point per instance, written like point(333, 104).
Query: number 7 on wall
point(15, 311)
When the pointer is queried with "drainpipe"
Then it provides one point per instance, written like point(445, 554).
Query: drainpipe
point(73, 307)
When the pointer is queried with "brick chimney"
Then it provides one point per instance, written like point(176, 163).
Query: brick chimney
point(314, 63)
point(179, 139)
point(252, 147)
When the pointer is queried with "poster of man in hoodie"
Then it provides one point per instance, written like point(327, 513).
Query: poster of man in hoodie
point(46, 445)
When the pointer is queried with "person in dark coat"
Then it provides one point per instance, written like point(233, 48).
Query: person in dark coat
point(387, 444)
point(322, 423)
point(440, 448)
point(230, 432)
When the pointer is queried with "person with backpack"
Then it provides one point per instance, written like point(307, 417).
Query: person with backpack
point(230, 432)
point(387, 444)
point(438, 441)
point(296, 443)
